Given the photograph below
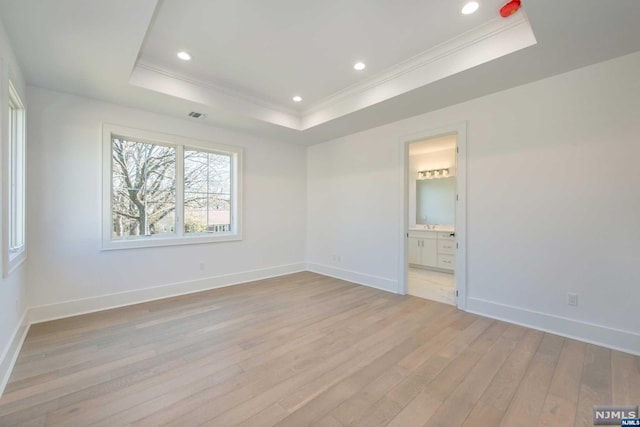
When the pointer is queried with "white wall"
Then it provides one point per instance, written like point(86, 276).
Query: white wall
point(440, 159)
point(13, 299)
point(553, 202)
point(65, 261)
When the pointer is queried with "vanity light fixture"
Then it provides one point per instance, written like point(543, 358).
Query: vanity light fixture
point(297, 98)
point(470, 7)
point(359, 66)
point(433, 173)
point(185, 56)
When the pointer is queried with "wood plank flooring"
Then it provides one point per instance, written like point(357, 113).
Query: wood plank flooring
point(304, 350)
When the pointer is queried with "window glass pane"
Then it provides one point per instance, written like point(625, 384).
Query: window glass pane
point(220, 176)
point(220, 213)
point(143, 196)
point(207, 199)
point(195, 212)
point(16, 208)
point(196, 170)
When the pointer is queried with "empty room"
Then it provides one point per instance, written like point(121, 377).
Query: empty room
point(319, 213)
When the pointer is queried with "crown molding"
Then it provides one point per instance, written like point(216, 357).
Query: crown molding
point(227, 90)
point(487, 42)
point(481, 44)
point(447, 48)
point(153, 77)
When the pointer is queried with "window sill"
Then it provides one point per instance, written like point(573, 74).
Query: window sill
point(13, 261)
point(155, 242)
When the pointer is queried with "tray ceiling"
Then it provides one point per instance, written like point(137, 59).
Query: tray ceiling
point(250, 57)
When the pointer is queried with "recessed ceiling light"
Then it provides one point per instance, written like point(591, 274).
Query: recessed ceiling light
point(470, 7)
point(359, 66)
point(184, 56)
point(297, 98)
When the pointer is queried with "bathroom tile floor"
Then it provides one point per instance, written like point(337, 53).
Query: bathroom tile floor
point(432, 285)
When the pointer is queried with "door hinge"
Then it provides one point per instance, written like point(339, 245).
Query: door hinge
point(457, 199)
point(456, 245)
point(456, 293)
point(457, 149)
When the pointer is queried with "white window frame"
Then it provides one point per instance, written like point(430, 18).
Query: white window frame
point(14, 183)
point(180, 144)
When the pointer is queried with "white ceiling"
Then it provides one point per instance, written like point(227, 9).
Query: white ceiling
point(273, 50)
point(250, 56)
point(432, 145)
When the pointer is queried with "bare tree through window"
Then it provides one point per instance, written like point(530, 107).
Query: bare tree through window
point(207, 192)
point(144, 190)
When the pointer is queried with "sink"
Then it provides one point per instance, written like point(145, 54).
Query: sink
point(433, 227)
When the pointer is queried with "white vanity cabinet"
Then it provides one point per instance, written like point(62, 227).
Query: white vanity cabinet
point(446, 250)
point(423, 248)
point(432, 249)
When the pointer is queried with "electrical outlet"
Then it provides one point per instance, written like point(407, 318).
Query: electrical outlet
point(202, 266)
point(572, 299)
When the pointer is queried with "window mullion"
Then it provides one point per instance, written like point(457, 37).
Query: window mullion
point(180, 191)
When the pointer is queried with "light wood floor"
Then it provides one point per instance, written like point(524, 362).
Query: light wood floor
point(306, 350)
point(432, 285)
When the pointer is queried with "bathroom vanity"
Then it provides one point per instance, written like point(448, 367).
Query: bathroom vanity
point(432, 248)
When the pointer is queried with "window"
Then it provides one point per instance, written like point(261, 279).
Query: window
point(167, 190)
point(143, 192)
point(14, 198)
point(207, 192)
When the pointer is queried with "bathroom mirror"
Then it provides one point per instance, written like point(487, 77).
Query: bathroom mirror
point(436, 201)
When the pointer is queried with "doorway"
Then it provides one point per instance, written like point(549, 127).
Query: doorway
point(435, 224)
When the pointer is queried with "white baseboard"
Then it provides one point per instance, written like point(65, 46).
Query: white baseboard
point(77, 307)
point(376, 282)
point(10, 355)
point(626, 341)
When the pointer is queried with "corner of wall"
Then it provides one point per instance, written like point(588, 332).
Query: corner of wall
point(8, 359)
point(14, 322)
point(364, 279)
point(626, 341)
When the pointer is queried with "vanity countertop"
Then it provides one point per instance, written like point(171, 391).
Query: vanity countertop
point(446, 228)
